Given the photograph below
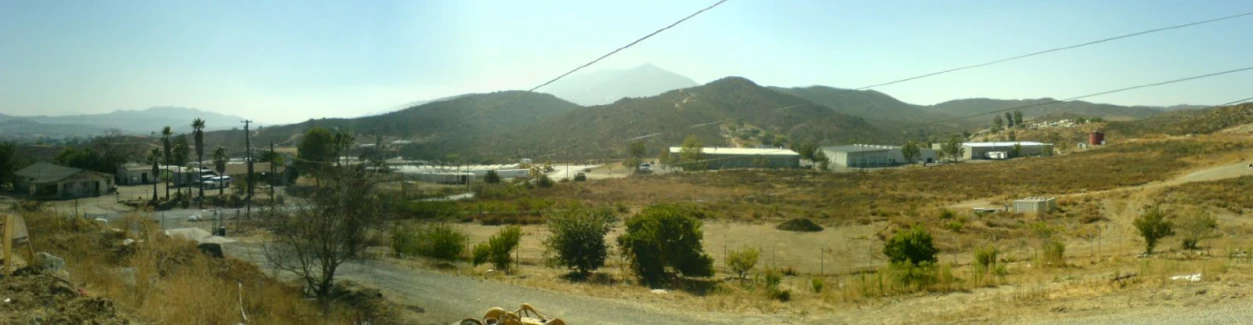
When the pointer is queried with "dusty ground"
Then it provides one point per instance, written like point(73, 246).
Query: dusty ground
point(45, 299)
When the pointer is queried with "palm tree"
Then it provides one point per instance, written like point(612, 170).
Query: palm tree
point(181, 152)
point(198, 126)
point(165, 142)
point(154, 157)
point(219, 163)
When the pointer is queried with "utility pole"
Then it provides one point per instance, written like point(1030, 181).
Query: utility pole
point(273, 174)
point(248, 160)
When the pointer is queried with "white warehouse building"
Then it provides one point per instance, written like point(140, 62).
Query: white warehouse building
point(869, 155)
point(1002, 150)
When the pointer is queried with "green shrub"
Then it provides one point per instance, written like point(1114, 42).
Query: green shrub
point(1054, 254)
point(438, 241)
point(913, 246)
point(491, 177)
point(1153, 227)
point(1196, 227)
point(481, 254)
point(985, 258)
point(742, 261)
point(911, 276)
point(577, 239)
point(817, 284)
point(501, 246)
point(947, 214)
point(955, 225)
point(544, 181)
point(663, 239)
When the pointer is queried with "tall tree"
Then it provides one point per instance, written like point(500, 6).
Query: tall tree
point(910, 152)
point(1018, 118)
point(182, 153)
point(953, 148)
point(1013, 136)
point(197, 126)
point(166, 133)
point(154, 158)
point(315, 152)
point(690, 156)
point(997, 123)
point(1009, 119)
point(219, 164)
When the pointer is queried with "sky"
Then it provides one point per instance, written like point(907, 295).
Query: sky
point(285, 61)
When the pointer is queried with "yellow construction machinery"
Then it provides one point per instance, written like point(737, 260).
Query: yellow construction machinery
point(526, 315)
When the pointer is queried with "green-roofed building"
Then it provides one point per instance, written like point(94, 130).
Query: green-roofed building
point(48, 180)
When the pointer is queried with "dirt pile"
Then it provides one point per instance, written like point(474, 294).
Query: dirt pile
point(27, 297)
point(799, 224)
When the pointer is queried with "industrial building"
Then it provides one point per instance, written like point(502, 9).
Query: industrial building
point(869, 155)
point(724, 158)
point(1001, 150)
point(1035, 204)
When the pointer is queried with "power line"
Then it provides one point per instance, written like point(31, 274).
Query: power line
point(641, 39)
point(1094, 94)
point(1023, 56)
point(602, 57)
point(1235, 102)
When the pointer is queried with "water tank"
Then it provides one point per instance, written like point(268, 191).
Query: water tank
point(1096, 138)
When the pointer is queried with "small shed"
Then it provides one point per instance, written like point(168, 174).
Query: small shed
point(1035, 204)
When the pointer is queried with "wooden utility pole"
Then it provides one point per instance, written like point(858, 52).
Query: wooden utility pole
point(248, 160)
point(273, 174)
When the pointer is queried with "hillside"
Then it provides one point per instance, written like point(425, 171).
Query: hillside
point(973, 106)
point(712, 112)
point(608, 86)
point(469, 116)
point(135, 121)
point(868, 104)
point(1201, 121)
point(22, 129)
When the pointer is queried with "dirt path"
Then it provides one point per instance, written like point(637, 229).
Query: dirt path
point(449, 298)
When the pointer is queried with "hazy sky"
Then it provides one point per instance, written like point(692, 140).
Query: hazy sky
point(285, 61)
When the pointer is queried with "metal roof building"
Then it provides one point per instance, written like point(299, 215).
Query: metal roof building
point(988, 150)
point(723, 158)
point(44, 179)
point(870, 155)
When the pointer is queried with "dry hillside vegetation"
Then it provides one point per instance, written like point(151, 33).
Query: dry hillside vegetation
point(1185, 122)
point(1234, 194)
point(164, 280)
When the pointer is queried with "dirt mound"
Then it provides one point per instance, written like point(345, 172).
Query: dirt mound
point(31, 298)
point(799, 224)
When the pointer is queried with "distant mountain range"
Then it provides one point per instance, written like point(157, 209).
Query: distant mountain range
point(135, 121)
point(608, 86)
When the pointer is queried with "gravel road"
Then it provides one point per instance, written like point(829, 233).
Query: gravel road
point(449, 298)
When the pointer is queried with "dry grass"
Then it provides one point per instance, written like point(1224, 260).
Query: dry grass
point(168, 281)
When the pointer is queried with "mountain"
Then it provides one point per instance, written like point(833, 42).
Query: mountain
point(974, 106)
point(869, 104)
point(607, 86)
point(728, 112)
point(1176, 108)
point(20, 129)
point(1183, 122)
point(142, 121)
point(471, 116)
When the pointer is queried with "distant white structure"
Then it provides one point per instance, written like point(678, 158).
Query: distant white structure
point(871, 155)
point(983, 150)
point(722, 158)
point(1035, 204)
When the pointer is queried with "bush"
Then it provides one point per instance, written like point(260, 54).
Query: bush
point(481, 254)
point(491, 177)
point(1054, 254)
point(1197, 227)
point(663, 239)
point(947, 214)
point(501, 246)
point(913, 276)
point(799, 224)
point(544, 181)
point(578, 238)
point(1153, 227)
point(438, 241)
point(817, 284)
point(985, 258)
point(913, 246)
point(742, 261)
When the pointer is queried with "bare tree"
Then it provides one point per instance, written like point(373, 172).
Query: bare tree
point(342, 217)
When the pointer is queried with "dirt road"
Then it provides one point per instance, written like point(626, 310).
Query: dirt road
point(449, 298)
